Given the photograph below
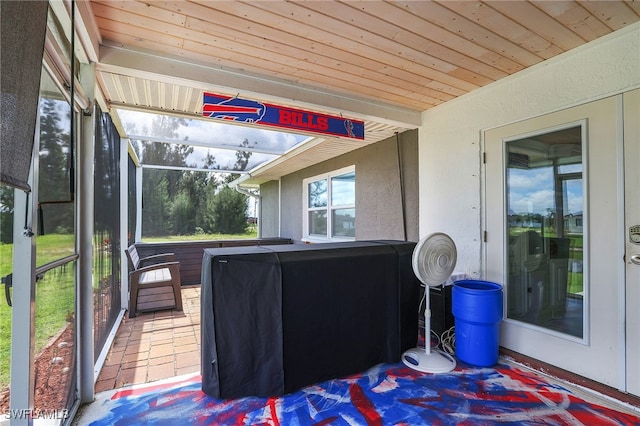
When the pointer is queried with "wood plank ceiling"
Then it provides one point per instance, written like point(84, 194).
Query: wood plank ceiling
point(399, 56)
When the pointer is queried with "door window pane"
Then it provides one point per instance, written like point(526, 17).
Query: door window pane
point(545, 208)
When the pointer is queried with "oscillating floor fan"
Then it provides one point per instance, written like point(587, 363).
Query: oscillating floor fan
point(433, 261)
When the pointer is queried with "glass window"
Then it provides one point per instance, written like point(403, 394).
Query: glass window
point(545, 206)
point(343, 189)
point(344, 223)
point(330, 211)
point(318, 223)
point(318, 193)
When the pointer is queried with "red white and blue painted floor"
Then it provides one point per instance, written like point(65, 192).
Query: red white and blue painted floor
point(387, 394)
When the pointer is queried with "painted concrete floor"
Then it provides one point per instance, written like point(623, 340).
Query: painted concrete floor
point(165, 344)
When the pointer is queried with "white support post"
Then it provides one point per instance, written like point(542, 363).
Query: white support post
point(124, 222)
point(23, 303)
point(85, 200)
point(280, 207)
point(138, 204)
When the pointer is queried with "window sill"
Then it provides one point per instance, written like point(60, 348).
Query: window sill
point(311, 240)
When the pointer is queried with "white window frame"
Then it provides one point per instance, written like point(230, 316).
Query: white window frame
point(306, 237)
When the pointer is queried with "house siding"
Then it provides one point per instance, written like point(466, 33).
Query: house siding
point(379, 206)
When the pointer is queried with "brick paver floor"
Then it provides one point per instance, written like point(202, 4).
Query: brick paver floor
point(155, 345)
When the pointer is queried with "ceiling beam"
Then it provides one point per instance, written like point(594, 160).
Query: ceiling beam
point(138, 63)
point(87, 30)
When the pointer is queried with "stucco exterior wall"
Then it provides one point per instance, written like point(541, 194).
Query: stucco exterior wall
point(378, 195)
point(269, 210)
point(450, 175)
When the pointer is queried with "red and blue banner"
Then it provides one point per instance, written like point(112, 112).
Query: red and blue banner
point(249, 111)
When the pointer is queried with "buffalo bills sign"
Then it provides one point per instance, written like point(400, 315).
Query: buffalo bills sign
point(248, 111)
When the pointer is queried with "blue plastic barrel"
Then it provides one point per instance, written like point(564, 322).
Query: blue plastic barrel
point(477, 312)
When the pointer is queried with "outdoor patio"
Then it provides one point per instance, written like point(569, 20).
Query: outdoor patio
point(159, 352)
point(155, 345)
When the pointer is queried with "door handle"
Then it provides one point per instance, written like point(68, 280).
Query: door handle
point(8, 283)
point(635, 258)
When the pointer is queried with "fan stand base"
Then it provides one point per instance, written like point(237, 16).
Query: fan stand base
point(434, 361)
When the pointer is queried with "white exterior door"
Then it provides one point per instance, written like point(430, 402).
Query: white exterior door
point(555, 230)
point(631, 104)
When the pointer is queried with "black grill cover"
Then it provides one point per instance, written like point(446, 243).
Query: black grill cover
point(277, 318)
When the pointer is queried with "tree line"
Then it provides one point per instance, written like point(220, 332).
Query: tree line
point(177, 202)
point(187, 202)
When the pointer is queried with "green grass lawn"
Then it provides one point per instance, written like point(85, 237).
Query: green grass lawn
point(55, 296)
point(576, 283)
point(6, 258)
point(252, 233)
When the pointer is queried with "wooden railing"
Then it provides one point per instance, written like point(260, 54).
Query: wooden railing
point(190, 253)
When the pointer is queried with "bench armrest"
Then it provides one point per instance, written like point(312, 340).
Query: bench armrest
point(174, 266)
point(162, 257)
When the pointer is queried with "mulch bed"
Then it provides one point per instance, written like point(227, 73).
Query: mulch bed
point(53, 375)
point(55, 363)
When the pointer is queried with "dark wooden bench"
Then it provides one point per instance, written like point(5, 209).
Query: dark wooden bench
point(154, 282)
